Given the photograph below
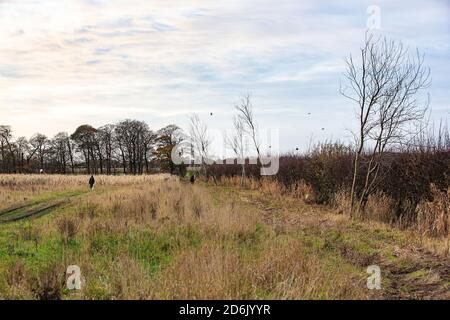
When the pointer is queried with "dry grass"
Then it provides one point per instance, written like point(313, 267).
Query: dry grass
point(380, 207)
point(155, 237)
point(341, 202)
point(21, 188)
point(273, 188)
point(433, 218)
point(283, 269)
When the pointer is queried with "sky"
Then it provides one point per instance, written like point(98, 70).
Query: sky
point(69, 62)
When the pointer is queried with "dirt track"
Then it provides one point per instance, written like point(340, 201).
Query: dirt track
point(411, 273)
point(32, 209)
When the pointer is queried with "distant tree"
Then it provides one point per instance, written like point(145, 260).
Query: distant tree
point(132, 136)
point(40, 144)
point(249, 124)
point(106, 144)
point(237, 143)
point(201, 142)
point(7, 147)
point(60, 146)
point(150, 140)
point(85, 139)
point(166, 139)
point(22, 148)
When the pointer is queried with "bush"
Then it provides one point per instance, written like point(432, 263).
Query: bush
point(405, 176)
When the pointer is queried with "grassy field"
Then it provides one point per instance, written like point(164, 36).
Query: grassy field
point(155, 237)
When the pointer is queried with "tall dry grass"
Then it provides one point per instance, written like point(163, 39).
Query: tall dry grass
point(272, 187)
point(22, 187)
point(433, 217)
point(157, 237)
point(281, 269)
point(429, 218)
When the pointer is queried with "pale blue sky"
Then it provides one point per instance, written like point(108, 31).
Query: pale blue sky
point(68, 62)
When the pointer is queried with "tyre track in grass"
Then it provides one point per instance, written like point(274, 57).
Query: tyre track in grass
point(38, 212)
point(12, 209)
point(34, 209)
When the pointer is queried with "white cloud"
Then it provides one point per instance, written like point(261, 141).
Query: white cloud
point(74, 61)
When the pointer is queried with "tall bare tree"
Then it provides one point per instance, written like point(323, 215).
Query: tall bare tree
point(237, 143)
point(201, 143)
point(250, 126)
point(384, 83)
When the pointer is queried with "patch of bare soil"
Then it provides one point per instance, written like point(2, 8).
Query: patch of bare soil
point(423, 276)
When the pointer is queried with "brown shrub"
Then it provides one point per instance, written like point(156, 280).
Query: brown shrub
point(196, 206)
point(15, 273)
point(68, 227)
point(380, 207)
point(303, 191)
point(341, 201)
point(433, 216)
point(48, 284)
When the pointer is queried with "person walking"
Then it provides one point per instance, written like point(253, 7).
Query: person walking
point(91, 182)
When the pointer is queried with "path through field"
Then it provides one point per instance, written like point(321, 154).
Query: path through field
point(409, 271)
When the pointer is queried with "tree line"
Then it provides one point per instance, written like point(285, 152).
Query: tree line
point(128, 147)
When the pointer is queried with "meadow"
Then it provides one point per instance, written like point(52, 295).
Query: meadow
point(159, 237)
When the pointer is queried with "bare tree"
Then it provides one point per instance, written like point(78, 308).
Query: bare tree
point(132, 139)
point(22, 147)
point(61, 151)
point(237, 143)
point(245, 116)
point(384, 83)
point(201, 142)
point(40, 144)
point(6, 140)
point(105, 136)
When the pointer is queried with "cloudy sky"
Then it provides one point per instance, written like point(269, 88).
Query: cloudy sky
point(68, 62)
